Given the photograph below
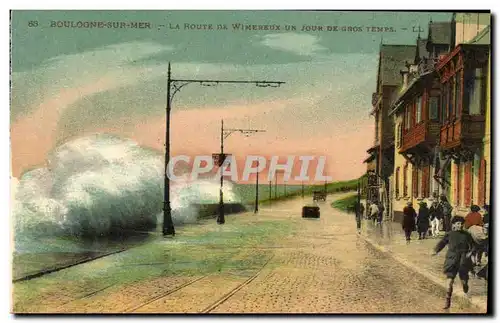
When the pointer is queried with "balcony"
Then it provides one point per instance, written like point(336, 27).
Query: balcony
point(465, 132)
point(422, 136)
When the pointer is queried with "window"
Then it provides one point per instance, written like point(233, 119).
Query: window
point(451, 98)
point(457, 183)
point(397, 183)
point(433, 108)
point(444, 102)
point(458, 94)
point(468, 183)
point(425, 181)
point(407, 117)
point(420, 192)
point(474, 90)
point(405, 180)
point(399, 135)
point(414, 182)
point(482, 183)
point(418, 106)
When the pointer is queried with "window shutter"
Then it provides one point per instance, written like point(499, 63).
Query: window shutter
point(405, 180)
point(457, 184)
point(415, 182)
point(425, 181)
point(482, 183)
point(467, 183)
point(397, 182)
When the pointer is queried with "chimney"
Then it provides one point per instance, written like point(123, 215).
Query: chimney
point(405, 75)
point(405, 78)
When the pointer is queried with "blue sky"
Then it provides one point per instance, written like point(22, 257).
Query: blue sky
point(83, 80)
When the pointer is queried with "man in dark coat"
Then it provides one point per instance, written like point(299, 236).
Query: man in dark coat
point(423, 220)
point(458, 257)
point(408, 224)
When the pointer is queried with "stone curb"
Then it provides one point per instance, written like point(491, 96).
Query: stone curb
point(458, 294)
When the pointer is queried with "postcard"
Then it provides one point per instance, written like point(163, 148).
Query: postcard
point(257, 162)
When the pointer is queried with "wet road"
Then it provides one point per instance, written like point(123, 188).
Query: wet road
point(303, 266)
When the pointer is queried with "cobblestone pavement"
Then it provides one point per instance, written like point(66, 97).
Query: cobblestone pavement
point(417, 254)
point(273, 262)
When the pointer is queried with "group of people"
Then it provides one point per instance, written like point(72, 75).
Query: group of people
point(466, 237)
point(428, 220)
point(375, 211)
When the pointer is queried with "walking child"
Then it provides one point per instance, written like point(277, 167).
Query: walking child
point(435, 217)
point(458, 257)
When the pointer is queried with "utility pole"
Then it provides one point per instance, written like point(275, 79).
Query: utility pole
point(270, 190)
point(168, 224)
point(275, 185)
point(174, 86)
point(359, 215)
point(220, 218)
point(224, 133)
point(257, 190)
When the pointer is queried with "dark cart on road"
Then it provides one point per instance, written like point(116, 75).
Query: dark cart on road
point(319, 196)
point(310, 211)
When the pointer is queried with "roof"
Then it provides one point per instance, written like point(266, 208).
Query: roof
point(369, 159)
point(393, 59)
point(373, 149)
point(440, 32)
point(422, 48)
point(483, 38)
point(402, 91)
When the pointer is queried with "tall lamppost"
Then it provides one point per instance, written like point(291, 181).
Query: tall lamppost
point(270, 190)
point(224, 133)
point(257, 190)
point(275, 185)
point(174, 86)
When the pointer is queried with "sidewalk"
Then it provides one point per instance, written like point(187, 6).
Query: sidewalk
point(390, 238)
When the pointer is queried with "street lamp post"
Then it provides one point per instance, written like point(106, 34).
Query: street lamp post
point(168, 225)
point(224, 133)
point(220, 218)
point(176, 85)
point(275, 185)
point(257, 190)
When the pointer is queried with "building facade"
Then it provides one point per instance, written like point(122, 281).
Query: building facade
point(465, 133)
point(415, 109)
point(380, 163)
point(441, 117)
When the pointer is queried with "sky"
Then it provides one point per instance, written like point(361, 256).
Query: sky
point(72, 82)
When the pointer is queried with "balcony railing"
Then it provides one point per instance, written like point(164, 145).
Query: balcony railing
point(427, 65)
point(467, 130)
point(425, 133)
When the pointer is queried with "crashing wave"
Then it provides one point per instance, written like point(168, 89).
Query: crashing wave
point(102, 184)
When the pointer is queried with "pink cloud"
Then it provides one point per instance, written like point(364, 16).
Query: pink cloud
point(33, 136)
